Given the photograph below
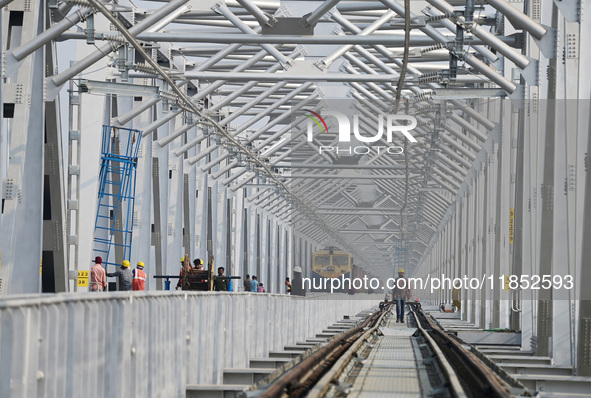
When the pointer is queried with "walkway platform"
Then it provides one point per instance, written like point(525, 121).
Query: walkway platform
point(392, 368)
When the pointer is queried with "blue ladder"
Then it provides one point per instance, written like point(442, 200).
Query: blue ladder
point(116, 195)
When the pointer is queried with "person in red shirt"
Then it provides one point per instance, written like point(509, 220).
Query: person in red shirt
point(139, 277)
point(98, 276)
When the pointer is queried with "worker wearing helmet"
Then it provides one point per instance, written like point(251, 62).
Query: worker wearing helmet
point(185, 265)
point(401, 293)
point(124, 276)
point(198, 264)
point(139, 277)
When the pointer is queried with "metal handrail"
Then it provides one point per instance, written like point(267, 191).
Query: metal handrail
point(515, 299)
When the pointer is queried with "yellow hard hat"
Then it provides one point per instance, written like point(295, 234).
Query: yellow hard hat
point(140, 264)
point(183, 259)
point(125, 263)
point(401, 270)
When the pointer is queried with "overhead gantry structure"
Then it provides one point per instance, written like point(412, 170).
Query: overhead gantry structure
point(231, 163)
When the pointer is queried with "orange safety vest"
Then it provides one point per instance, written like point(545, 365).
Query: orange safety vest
point(139, 280)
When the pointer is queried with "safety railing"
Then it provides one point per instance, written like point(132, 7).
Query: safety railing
point(147, 344)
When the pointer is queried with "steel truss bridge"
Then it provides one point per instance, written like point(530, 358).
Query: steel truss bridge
point(239, 103)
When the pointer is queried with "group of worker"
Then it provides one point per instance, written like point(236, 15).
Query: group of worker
point(186, 266)
point(221, 283)
point(253, 285)
point(128, 279)
point(136, 279)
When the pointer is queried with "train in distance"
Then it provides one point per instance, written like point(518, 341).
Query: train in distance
point(332, 263)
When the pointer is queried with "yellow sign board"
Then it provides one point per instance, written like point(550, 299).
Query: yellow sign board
point(511, 224)
point(83, 278)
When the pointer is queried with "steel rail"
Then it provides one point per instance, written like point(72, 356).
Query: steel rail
point(465, 374)
point(300, 379)
point(476, 378)
point(455, 386)
point(340, 365)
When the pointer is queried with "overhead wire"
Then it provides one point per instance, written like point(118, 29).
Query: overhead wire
point(397, 104)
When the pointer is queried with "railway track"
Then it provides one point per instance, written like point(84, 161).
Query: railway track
point(305, 376)
point(476, 379)
point(321, 371)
